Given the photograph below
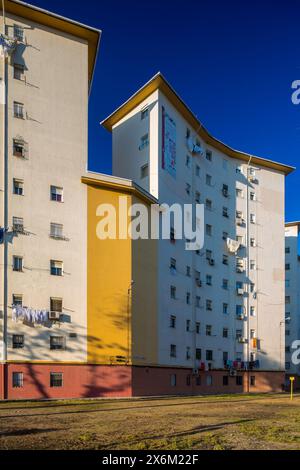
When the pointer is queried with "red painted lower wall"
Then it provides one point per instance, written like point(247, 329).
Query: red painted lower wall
point(84, 381)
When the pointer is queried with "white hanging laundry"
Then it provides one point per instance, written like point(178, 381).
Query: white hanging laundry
point(30, 315)
point(7, 45)
point(232, 245)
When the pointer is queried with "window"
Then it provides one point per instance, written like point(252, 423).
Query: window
point(172, 321)
point(208, 155)
point(17, 299)
point(239, 192)
point(209, 380)
point(225, 309)
point(188, 353)
point(188, 325)
point(208, 280)
point(188, 271)
point(18, 110)
point(287, 349)
point(56, 194)
point(208, 204)
point(144, 113)
point(17, 263)
point(225, 191)
point(56, 268)
point(225, 380)
point(252, 380)
point(287, 283)
point(208, 330)
point(198, 380)
point(18, 225)
point(208, 230)
point(188, 188)
point(197, 170)
point(208, 180)
point(56, 379)
point(225, 356)
point(57, 342)
point(144, 142)
point(198, 354)
point(144, 171)
point(252, 196)
point(252, 334)
point(18, 187)
point(238, 334)
point(252, 264)
point(225, 260)
point(188, 380)
point(172, 264)
point(287, 266)
point(198, 328)
point(173, 380)
point(225, 284)
point(197, 197)
point(56, 231)
point(188, 298)
point(252, 242)
point(287, 250)
point(287, 299)
point(209, 355)
point(239, 380)
point(225, 332)
point(56, 305)
point(287, 332)
point(18, 341)
point(208, 255)
point(173, 292)
point(209, 304)
point(197, 301)
point(252, 218)
point(17, 379)
point(18, 72)
point(19, 148)
point(287, 365)
point(239, 311)
point(18, 32)
point(188, 161)
point(224, 236)
point(225, 212)
point(173, 350)
point(252, 311)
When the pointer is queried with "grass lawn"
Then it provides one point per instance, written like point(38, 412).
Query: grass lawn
point(214, 422)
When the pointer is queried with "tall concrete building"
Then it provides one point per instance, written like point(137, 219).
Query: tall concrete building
point(292, 285)
point(221, 308)
point(45, 83)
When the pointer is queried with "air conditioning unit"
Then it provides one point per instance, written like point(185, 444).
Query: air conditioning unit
point(54, 316)
point(240, 291)
point(195, 372)
point(232, 373)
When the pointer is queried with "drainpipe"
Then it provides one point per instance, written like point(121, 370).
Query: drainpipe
point(248, 276)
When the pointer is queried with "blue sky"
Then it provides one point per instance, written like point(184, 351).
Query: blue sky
point(232, 62)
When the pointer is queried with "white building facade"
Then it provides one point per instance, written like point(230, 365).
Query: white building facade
point(218, 310)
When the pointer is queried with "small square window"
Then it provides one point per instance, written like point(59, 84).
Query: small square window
point(208, 330)
point(18, 72)
point(173, 351)
point(57, 343)
point(56, 231)
point(18, 110)
point(173, 380)
point(144, 142)
point(56, 194)
point(239, 380)
point(19, 33)
point(172, 321)
point(19, 148)
point(17, 300)
point(18, 186)
point(225, 380)
point(17, 263)
point(144, 171)
point(56, 379)
point(208, 180)
point(208, 155)
point(18, 341)
point(56, 268)
point(17, 379)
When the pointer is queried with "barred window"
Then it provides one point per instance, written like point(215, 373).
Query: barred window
point(57, 342)
point(18, 341)
point(17, 379)
point(56, 379)
point(55, 305)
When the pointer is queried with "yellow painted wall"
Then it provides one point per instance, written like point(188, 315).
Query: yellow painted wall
point(109, 277)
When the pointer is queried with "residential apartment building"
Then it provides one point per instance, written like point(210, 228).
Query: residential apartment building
point(292, 313)
point(220, 308)
point(43, 257)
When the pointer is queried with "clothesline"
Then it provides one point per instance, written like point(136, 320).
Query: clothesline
point(31, 315)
